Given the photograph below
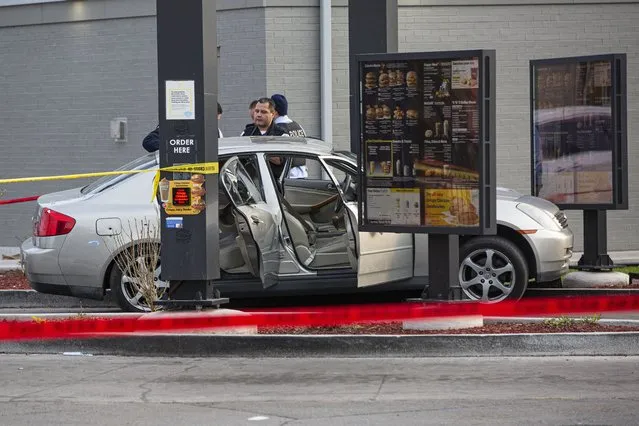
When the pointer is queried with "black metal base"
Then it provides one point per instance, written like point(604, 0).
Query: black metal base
point(192, 295)
point(602, 262)
point(443, 268)
point(595, 257)
point(191, 304)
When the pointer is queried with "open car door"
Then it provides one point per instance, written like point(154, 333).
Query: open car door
point(256, 227)
point(377, 257)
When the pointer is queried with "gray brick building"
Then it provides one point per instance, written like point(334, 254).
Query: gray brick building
point(67, 68)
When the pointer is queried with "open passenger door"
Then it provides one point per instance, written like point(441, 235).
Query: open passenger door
point(377, 257)
point(256, 227)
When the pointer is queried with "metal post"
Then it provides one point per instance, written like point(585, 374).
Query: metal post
point(362, 16)
point(595, 241)
point(187, 94)
point(443, 267)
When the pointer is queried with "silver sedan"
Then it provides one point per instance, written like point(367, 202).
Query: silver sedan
point(308, 239)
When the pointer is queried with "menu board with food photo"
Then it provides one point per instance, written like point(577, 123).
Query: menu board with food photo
point(424, 110)
point(573, 133)
point(452, 207)
point(183, 197)
point(394, 206)
point(379, 158)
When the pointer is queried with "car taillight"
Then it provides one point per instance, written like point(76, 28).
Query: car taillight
point(53, 223)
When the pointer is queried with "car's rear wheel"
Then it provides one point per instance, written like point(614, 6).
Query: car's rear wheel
point(125, 287)
point(492, 269)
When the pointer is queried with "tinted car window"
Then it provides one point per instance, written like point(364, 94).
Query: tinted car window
point(143, 163)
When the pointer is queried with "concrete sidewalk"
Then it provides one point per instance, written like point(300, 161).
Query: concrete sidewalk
point(9, 264)
point(357, 346)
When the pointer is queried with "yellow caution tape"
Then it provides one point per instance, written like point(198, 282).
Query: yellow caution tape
point(203, 168)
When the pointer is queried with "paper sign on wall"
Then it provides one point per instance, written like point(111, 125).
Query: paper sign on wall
point(180, 100)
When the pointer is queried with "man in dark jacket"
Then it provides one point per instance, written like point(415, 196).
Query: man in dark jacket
point(151, 142)
point(264, 125)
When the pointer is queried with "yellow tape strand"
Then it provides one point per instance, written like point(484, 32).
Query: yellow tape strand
point(204, 168)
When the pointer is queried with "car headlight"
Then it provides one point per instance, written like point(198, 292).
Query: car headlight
point(542, 217)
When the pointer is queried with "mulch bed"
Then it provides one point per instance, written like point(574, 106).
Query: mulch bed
point(13, 280)
point(497, 328)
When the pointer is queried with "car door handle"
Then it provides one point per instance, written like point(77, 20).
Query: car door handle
point(256, 219)
point(330, 186)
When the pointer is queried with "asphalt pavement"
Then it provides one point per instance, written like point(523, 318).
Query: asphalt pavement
point(80, 390)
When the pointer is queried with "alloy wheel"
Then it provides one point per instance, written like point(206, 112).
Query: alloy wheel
point(133, 295)
point(487, 275)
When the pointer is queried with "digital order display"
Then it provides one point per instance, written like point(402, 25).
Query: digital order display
point(181, 196)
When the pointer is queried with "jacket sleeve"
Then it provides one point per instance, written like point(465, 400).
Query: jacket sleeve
point(152, 141)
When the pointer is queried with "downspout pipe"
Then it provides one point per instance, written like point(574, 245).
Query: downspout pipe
point(326, 72)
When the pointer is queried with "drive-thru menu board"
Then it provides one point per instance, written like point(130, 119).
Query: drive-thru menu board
point(578, 106)
point(423, 131)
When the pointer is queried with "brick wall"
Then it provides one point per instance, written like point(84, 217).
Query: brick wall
point(522, 33)
point(242, 64)
point(292, 62)
point(61, 85)
point(341, 94)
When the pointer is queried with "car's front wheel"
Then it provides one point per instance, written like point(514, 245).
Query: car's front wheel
point(492, 269)
point(127, 288)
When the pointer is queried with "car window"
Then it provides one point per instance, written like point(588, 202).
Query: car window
point(342, 169)
point(239, 184)
point(145, 162)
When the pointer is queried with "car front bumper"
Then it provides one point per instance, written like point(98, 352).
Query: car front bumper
point(553, 250)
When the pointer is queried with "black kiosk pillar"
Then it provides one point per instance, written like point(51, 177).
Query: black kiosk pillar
point(364, 15)
point(188, 193)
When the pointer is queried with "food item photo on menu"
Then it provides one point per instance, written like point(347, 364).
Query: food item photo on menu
point(464, 211)
point(411, 79)
point(392, 78)
point(412, 114)
point(371, 114)
point(384, 80)
point(197, 178)
point(398, 114)
point(370, 80)
point(386, 112)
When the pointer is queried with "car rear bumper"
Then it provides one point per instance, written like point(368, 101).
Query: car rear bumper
point(553, 250)
point(40, 265)
point(42, 270)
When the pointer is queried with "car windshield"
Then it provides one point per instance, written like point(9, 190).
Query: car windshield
point(147, 161)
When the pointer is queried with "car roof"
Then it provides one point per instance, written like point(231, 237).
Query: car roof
point(244, 144)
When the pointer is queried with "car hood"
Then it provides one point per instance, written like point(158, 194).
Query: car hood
point(512, 195)
point(540, 203)
point(508, 194)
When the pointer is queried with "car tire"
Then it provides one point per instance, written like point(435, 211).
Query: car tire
point(492, 269)
point(125, 295)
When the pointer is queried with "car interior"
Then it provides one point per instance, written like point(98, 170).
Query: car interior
point(312, 208)
point(313, 213)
